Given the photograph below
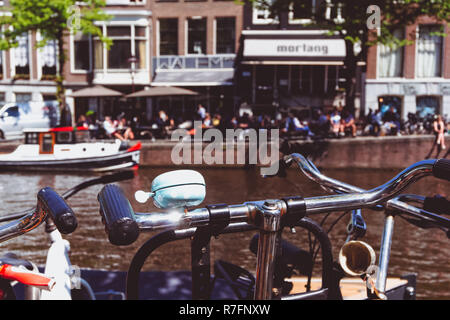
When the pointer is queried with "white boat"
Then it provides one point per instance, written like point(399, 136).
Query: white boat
point(69, 149)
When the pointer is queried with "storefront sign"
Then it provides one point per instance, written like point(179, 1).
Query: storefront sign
point(294, 48)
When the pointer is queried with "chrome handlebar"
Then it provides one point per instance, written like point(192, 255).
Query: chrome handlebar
point(399, 182)
point(123, 224)
point(49, 203)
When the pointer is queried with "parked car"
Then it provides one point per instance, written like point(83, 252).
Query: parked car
point(14, 117)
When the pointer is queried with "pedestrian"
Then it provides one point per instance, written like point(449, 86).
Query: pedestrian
point(439, 131)
point(201, 111)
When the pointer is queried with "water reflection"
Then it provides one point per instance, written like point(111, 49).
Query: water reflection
point(414, 250)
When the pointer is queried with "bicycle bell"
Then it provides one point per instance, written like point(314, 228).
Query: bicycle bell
point(175, 189)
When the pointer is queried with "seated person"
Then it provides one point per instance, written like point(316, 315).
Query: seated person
point(293, 124)
point(125, 130)
point(348, 123)
point(111, 129)
point(335, 121)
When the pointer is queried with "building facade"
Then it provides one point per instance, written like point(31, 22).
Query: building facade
point(285, 64)
point(232, 54)
point(183, 43)
point(414, 78)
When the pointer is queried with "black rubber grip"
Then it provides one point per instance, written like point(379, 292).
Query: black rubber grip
point(437, 204)
point(57, 208)
point(296, 210)
point(441, 169)
point(118, 216)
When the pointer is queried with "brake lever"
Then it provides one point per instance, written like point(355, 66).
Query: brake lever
point(357, 226)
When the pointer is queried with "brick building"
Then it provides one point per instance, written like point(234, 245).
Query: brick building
point(414, 78)
point(231, 54)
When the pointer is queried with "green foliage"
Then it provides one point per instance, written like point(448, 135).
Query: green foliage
point(52, 18)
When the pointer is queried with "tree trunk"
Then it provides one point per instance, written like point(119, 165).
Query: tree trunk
point(60, 90)
point(350, 77)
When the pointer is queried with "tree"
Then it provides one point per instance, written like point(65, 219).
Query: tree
point(363, 23)
point(54, 19)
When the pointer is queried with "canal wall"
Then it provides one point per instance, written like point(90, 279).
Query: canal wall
point(360, 152)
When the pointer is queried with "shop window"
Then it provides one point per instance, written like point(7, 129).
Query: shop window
point(429, 52)
point(225, 35)
point(385, 103)
point(168, 36)
point(427, 105)
point(197, 36)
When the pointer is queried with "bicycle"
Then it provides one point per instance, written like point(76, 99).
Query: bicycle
point(177, 191)
point(59, 279)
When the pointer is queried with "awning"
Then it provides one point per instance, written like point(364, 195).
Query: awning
point(293, 50)
point(194, 78)
point(162, 91)
point(96, 91)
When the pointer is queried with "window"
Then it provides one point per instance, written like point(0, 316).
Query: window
point(46, 142)
point(120, 51)
point(390, 58)
point(427, 105)
point(21, 58)
point(386, 103)
point(23, 97)
point(129, 41)
point(429, 52)
point(302, 10)
point(261, 12)
point(197, 36)
point(81, 52)
point(98, 54)
point(225, 35)
point(12, 112)
point(31, 138)
point(168, 36)
point(48, 58)
point(1, 64)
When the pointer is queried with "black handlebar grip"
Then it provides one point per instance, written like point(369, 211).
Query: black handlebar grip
point(55, 206)
point(441, 169)
point(118, 216)
point(437, 204)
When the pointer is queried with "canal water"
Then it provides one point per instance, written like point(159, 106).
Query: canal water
point(425, 252)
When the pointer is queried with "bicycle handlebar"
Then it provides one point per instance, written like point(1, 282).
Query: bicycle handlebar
point(119, 216)
point(415, 171)
point(48, 203)
point(441, 169)
point(55, 206)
